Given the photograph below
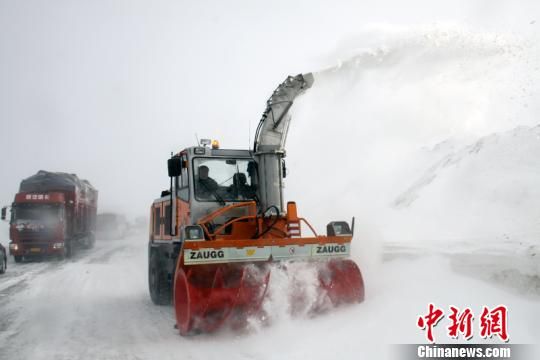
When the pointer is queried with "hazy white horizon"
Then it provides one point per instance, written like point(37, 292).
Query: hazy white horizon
point(108, 89)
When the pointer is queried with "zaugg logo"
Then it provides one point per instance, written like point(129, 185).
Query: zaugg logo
point(207, 254)
point(331, 249)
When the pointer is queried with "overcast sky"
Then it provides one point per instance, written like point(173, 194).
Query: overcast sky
point(107, 89)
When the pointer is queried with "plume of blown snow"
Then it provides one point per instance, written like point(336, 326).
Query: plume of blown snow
point(365, 119)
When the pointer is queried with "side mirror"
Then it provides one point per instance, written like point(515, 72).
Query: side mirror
point(174, 166)
point(4, 212)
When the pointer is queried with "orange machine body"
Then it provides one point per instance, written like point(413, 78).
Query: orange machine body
point(223, 225)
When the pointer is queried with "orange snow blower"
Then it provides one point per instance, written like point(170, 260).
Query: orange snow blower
point(217, 232)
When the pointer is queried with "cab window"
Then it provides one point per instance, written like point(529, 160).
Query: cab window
point(157, 221)
point(183, 191)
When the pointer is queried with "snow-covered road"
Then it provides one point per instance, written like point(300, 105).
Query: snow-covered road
point(96, 306)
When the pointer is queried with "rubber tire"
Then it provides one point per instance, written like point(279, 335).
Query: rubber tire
point(3, 263)
point(90, 242)
point(158, 284)
point(18, 258)
point(69, 249)
point(62, 256)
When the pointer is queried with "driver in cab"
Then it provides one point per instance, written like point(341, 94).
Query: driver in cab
point(205, 184)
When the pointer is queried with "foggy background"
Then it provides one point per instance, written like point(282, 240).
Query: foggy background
point(107, 89)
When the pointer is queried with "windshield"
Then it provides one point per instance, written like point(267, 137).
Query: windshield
point(224, 179)
point(47, 214)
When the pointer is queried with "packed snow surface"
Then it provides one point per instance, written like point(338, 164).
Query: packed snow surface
point(97, 306)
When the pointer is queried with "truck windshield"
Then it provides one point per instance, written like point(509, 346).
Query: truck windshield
point(48, 214)
point(220, 179)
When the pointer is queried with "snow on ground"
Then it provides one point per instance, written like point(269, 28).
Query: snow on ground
point(97, 306)
point(487, 188)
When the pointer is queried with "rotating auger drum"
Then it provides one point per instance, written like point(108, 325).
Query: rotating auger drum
point(224, 282)
point(206, 298)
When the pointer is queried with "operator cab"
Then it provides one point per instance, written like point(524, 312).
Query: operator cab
point(223, 179)
point(214, 175)
point(206, 179)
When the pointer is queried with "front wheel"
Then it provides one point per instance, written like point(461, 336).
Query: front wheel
point(68, 246)
point(158, 284)
point(89, 242)
point(3, 264)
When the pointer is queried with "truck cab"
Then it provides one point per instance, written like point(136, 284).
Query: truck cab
point(51, 215)
point(37, 225)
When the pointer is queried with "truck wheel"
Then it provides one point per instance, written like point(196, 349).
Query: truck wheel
point(3, 265)
point(18, 258)
point(90, 241)
point(69, 249)
point(160, 288)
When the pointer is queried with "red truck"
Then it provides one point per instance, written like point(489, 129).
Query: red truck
point(53, 214)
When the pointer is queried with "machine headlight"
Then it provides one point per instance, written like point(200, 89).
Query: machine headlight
point(194, 233)
point(58, 245)
point(13, 247)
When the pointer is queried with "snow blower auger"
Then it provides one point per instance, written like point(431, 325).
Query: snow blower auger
point(216, 232)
